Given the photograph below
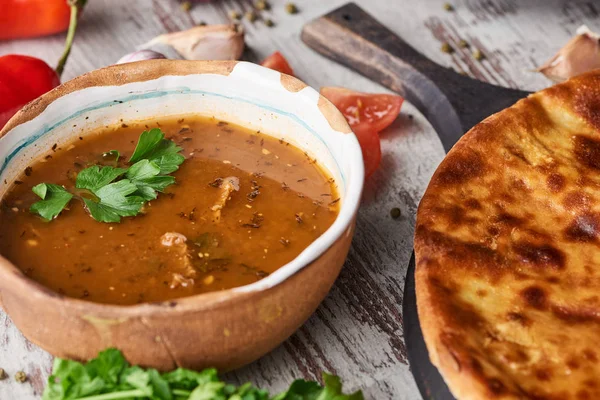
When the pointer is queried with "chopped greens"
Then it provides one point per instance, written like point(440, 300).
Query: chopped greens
point(110, 193)
point(110, 377)
point(54, 199)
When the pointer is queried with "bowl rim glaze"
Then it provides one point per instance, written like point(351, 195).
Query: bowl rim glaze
point(141, 71)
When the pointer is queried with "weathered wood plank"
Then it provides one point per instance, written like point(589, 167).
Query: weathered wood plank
point(357, 331)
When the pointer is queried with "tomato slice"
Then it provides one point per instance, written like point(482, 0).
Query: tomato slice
point(365, 111)
point(371, 150)
point(278, 62)
point(367, 114)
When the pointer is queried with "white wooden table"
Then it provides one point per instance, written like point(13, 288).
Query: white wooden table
point(357, 331)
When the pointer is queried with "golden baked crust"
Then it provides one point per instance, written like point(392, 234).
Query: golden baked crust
point(507, 248)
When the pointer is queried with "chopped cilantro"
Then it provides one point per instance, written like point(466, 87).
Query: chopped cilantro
point(54, 199)
point(110, 377)
point(117, 192)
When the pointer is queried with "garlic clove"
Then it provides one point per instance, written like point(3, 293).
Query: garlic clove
point(579, 55)
point(208, 42)
point(140, 55)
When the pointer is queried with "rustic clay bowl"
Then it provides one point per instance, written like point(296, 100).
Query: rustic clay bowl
point(224, 329)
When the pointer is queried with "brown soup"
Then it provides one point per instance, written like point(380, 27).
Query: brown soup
point(200, 235)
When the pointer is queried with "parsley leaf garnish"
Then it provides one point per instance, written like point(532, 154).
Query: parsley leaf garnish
point(145, 175)
point(110, 377)
point(115, 202)
point(54, 199)
point(94, 178)
point(153, 146)
point(110, 193)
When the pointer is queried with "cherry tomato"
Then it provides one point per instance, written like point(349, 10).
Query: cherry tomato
point(22, 79)
point(277, 62)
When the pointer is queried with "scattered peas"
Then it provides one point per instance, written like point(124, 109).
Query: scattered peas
point(478, 55)
point(463, 44)
point(291, 8)
point(235, 15)
point(448, 7)
point(3, 374)
point(446, 48)
point(269, 22)
point(262, 5)
point(20, 376)
point(251, 16)
point(186, 6)
point(395, 213)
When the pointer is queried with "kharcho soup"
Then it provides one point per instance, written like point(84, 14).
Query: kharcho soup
point(164, 209)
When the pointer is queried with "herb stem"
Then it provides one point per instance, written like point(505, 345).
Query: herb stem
point(117, 395)
point(76, 7)
point(181, 392)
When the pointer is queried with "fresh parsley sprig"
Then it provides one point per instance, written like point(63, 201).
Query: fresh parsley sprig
point(110, 193)
point(110, 377)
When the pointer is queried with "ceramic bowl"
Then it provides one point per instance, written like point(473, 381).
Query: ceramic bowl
point(224, 329)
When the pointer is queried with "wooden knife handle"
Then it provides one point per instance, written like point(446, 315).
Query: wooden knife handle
point(452, 103)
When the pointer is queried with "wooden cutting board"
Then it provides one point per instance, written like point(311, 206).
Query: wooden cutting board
point(451, 102)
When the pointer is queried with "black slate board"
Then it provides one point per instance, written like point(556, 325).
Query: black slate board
point(451, 102)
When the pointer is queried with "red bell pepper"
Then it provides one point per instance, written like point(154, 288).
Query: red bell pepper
point(30, 18)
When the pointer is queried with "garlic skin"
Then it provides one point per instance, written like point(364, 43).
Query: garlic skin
point(140, 55)
point(581, 54)
point(209, 42)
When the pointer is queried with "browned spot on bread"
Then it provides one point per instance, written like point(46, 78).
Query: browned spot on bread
point(473, 204)
point(460, 167)
point(460, 251)
point(496, 386)
point(460, 310)
point(493, 230)
point(590, 355)
point(506, 219)
point(583, 395)
point(590, 383)
point(555, 182)
point(587, 151)
point(519, 318)
point(573, 363)
point(481, 293)
point(541, 256)
point(535, 297)
point(584, 228)
point(576, 201)
point(516, 152)
point(576, 315)
point(543, 374)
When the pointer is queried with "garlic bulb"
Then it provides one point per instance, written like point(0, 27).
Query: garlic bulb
point(208, 42)
point(579, 55)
